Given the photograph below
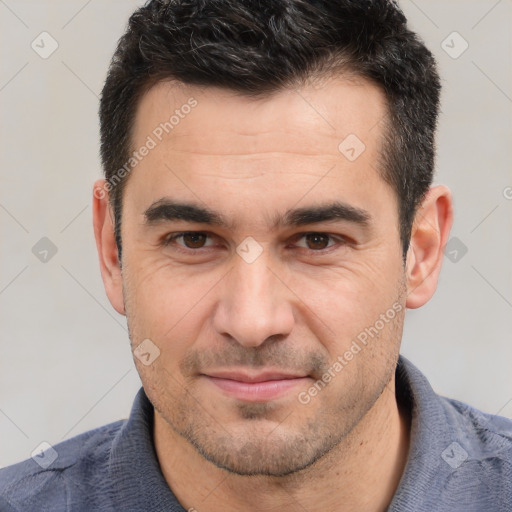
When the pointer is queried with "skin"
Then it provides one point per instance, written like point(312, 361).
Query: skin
point(296, 308)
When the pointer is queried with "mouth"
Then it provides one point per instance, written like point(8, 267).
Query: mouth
point(255, 387)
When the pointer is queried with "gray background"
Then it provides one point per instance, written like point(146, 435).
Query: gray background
point(65, 362)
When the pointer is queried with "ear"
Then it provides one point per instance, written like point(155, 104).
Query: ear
point(106, 244)
point(430, 232)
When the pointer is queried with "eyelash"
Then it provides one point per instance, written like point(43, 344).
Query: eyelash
point(167, 241)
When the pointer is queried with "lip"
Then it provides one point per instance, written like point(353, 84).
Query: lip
point(258, 387)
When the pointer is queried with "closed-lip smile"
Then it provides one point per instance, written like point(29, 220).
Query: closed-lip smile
point(255, 387)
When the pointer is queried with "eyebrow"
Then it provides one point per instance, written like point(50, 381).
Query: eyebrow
point(166, 209)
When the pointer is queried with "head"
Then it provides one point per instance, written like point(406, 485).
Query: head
point(293, 143)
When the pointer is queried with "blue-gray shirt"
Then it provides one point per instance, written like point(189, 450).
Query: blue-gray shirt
point(460, 459)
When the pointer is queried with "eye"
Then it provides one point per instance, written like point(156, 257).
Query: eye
point(188, 241)
point(191, 239)
point(318, 241)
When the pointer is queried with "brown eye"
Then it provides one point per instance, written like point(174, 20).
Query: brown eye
point(317, 241)
point(194, 240)
point(187, 240)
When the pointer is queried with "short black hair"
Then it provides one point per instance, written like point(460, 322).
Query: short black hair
point(258, 47)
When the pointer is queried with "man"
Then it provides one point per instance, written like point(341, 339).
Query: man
point(266, 219)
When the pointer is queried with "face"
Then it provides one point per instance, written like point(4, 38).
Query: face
point(264, 265)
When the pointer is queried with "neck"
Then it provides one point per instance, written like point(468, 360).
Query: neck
point(361, 473)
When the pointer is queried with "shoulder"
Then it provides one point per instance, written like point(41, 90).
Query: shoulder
point(63, 472)
point(487, 434)
point(460, 458)
point(441, 419)
point(480, 451)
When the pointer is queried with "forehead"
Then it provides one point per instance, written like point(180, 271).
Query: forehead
point(224, 148)
point(328, 109)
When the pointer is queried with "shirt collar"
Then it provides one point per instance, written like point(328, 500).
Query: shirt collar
point(430, 430)
point(134, 468)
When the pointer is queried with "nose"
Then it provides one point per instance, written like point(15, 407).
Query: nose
point(254, 304)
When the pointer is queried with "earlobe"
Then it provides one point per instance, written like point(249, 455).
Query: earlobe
point(430, 232)
point(106, 246)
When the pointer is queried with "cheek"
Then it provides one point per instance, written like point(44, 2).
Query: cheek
point(361, 324)
point(165, 304)
point(345, 300)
